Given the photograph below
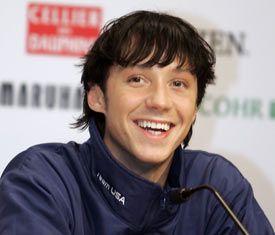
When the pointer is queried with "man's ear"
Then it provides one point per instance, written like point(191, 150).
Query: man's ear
point(96, 99)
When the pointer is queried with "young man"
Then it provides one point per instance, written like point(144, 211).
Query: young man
point(144, 80)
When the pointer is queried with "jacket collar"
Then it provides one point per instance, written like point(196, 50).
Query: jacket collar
point(132, 197)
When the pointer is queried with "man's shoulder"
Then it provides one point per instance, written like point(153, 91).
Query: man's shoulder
point(38, 157)
point(51, 166)
point(210, 168)
point(207, 159)
point(40, 181)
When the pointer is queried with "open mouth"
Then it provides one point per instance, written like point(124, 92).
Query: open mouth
point(154, 128)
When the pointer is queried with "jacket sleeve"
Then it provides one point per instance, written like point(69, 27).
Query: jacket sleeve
point(243, 203)
point(28, 204)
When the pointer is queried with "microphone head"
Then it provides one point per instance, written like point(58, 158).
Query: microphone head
point(179, 195)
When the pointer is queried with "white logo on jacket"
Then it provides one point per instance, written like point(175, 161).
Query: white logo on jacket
point(117, 195)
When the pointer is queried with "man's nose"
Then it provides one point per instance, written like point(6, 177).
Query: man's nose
point(159, 98)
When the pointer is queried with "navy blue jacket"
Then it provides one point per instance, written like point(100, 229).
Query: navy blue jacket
point(79, 189)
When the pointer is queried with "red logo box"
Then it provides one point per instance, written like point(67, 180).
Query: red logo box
point(61, 29)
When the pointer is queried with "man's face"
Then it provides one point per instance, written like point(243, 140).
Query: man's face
point(148, 112)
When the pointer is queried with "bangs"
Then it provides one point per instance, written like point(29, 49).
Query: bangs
point(151, 42)
point(150, 52)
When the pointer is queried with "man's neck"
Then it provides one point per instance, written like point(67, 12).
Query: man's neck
point(159, 175)
point(156, 173)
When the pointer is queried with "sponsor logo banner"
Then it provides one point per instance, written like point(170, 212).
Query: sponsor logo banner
point(65, 30)
point(224, 106)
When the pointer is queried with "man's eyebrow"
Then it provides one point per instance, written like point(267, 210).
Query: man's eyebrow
point(182, 69)
point(142, 66)
point(177, 69)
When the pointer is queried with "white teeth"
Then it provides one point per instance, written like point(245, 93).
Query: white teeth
point(154, 125)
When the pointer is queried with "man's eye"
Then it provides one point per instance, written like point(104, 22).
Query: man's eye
point(135, 79)
point(178, 83)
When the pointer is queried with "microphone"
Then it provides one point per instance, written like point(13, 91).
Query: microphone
point(180, 195)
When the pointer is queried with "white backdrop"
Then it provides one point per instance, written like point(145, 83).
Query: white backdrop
point(38, 90)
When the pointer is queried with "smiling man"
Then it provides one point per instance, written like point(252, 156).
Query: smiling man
point(148, 112)
point(144, 80)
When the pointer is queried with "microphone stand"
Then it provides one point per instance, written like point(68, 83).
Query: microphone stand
point(180, 195)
